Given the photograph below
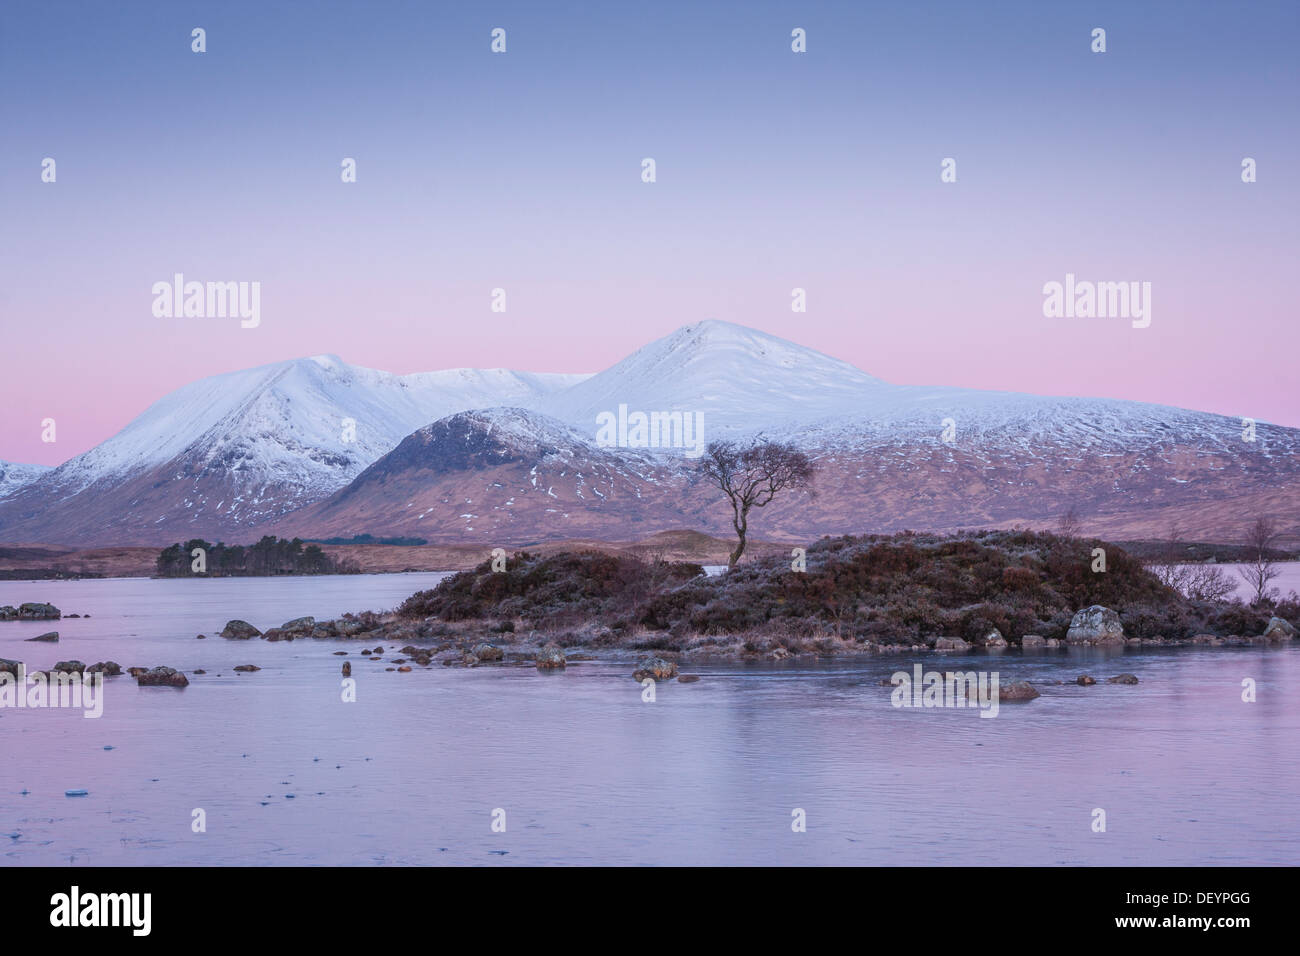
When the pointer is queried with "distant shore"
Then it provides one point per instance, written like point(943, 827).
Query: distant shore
point(19, 562)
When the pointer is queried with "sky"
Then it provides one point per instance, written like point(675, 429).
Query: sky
point(522, 170)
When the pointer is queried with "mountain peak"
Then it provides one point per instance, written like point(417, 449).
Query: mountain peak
point(731, 373)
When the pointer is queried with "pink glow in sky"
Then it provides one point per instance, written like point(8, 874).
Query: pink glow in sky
point(774, 172)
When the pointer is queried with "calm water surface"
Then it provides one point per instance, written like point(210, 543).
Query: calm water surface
point(587, 773)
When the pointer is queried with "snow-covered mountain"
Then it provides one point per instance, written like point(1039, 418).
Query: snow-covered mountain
point(744, 381)
point(510, 457)
point(889, 457)
point(738, 378)
point(13, 476)
point(230, 452)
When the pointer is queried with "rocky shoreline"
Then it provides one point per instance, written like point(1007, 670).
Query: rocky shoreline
point(469, 644)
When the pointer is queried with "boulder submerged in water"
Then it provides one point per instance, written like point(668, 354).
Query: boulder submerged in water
point(994, 639)
point(1020, 690)
point(951, 644)
point(160, 677)
point(1122, 679)
point(1278, 630)
point(551, 657)
point(488, 653)
point(1095, 625)
point(656, 668)
point(299, 626)
point(239, 631)
point(36, 611)
point(1017, 690)
point(50, 637)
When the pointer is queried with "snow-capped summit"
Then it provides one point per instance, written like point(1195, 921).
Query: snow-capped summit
point(736, 376)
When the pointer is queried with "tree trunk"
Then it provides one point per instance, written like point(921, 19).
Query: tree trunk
point(741, 524)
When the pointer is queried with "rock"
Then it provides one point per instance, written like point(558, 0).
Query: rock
point(68, 667)
point(1017, 690)
point(1053, 642)
point(488, 653)
point(162, 677)
point(239, 631)
point(35, 611)
point(1278, 630)
point(951, 644)
point(994, 638)
point(9, 667)
point(1204, 639)
point(70, 616)
point(404, 670)
point(201, 637)
point(137, 671)
point(8, 613)
point(688, 678)
point(1032, 640)
point(50, 637)
point(340, 653)
point(656, 668)
point(551, 657)
point(76, 793)
point(1083, 680)
point(299, 625)
point(1095, 625)
point(107, 668)
point(276, 634)
point(1122, 679)
point(200, 671)
point(347, 669)
point(247, 668)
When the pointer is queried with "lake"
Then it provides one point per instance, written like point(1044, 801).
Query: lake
point(586, 772)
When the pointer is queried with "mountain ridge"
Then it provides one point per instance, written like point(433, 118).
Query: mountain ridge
point(261, 450)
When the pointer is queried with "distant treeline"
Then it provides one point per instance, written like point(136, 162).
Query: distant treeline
point(44, 574)
point(270, 556)
point(370, 539)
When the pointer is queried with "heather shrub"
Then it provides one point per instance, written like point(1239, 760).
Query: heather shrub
point(889, 589)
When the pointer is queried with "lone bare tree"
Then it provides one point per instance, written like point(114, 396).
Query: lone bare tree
point(751, 476)
point(1261, 568)
point(1070, 524)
